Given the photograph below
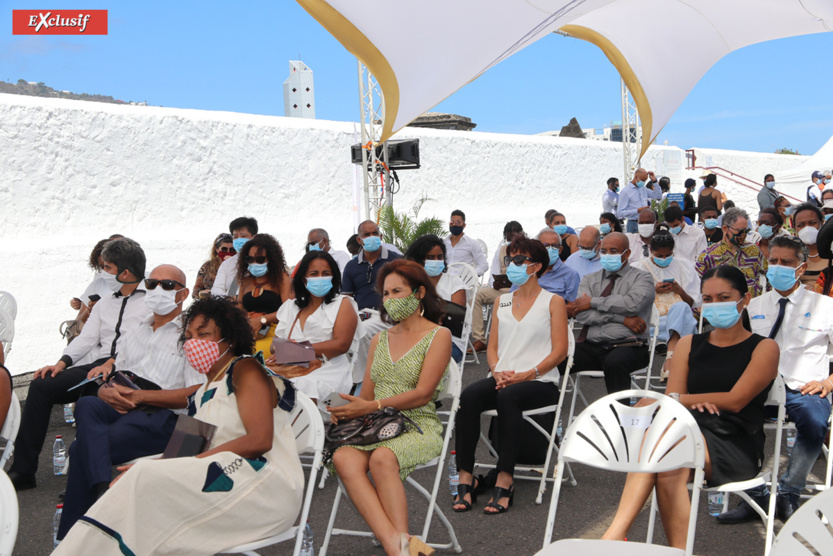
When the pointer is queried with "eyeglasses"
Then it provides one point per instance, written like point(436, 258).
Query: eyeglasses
point(226, 249)
point(741, 232)
point(167, 285)
point(260, 259)
point(517, 259)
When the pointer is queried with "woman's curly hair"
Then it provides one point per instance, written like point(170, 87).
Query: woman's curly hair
point(229, 318)
point(276, 263)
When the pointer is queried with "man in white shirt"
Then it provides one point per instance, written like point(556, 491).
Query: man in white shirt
point(242, 229)
point(689, 241)
point(122, 424)
point(111, 318)
point(319, 240)
point(801, 322)
point(461, 248)
point(610, 198)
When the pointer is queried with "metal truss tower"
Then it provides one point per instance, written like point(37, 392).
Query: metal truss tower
point(631, 132)
point(377, 190)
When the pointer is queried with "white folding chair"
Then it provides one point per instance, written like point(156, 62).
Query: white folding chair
point(540, 473)
point(9, 515)
point(808, 530)
point(468, 275)
point(647, 371)
point(610, 435)
point(10, 428)
point(450, 392)
point(6, 331)
point(577, 376)
point(8, 304)
point(309, 437)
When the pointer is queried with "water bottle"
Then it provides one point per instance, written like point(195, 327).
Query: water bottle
point(306, 544)
point(559, 432)
point(59, 456)
point(56, 521)
point(68, 416)
point(453, 474)
point(715, 503)
point(791, 433)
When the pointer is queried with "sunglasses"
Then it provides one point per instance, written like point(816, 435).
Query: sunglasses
point(226, 249)
point(741, 232)
point(517, 259)
point(260, 259)
point(167, 285)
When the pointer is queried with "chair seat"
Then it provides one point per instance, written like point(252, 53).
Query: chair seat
point(591, 547)
point(739, 486)
point(536, 411)
point(591, 374)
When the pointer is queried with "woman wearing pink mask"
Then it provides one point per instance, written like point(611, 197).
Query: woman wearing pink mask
point(226, 495)
point(221, 250)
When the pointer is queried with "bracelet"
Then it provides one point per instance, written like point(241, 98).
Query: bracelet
point(537, 374)
point(379, 403)
point(674, 396)
point(829, 382)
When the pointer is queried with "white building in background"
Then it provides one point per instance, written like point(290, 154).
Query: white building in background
point(298, 92)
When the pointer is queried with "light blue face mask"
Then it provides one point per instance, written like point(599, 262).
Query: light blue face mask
point(560, 229)
point(314, 246)
point(605, 228)
point(239, 242)
point(710, 223)
point(553, 253)
point(676, 230)
point(765, 230)
point(722, 314)
point(612, 262)
point(782, 278)
point(320, 286)
point(434, 268)
point(640, 183)
point(372, 243)
point(517, 274)
point(258, 270)
point(789, 210)
point(827, 217)
point(663, 263)
point(588, 254)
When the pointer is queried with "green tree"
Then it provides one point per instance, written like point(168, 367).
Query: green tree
point(659, 207)
point(402, 228)
point(786, 151)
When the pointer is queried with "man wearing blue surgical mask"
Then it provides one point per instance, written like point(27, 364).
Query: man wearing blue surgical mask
point(242, 229)
point(689, 241)
point(559, 278)
point(636, 197)
point(610, 198)
point(613, 307)
point(586, 259)
point(801, 323)
point(319, 240)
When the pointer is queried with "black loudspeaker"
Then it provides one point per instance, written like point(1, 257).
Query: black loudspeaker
point(403, 154)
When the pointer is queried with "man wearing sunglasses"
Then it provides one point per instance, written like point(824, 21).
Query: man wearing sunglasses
point(122, 424)
point(242, 229)
point(111, 319)
point(735, 251)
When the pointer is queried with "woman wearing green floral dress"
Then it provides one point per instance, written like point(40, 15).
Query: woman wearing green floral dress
point(405, 368)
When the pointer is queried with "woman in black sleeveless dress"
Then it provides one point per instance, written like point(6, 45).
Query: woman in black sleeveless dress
point(724, 377)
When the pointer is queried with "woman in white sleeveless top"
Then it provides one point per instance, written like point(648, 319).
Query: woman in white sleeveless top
point(327, 320)
point(527, 340)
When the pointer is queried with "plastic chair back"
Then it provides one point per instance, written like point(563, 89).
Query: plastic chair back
point(484, 247)
point(9, 515)
point(467, 274)
point(8, 304)
point(10, 428)
point(808, 527)
point(6, 331)
point(658, 437)
point(307, 425)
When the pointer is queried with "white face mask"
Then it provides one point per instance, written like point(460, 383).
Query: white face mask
point(111, 281)
point(646, 230)
point(161, 302)
point(808, 235)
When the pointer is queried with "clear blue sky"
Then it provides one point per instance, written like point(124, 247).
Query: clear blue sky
point(233, 57)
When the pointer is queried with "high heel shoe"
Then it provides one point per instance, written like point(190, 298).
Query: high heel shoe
point(497, 495)
point(419, 548)
point(464, 489)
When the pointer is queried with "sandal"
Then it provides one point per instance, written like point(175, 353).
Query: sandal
point(462, 490)
point(418, 547)
point(498, 494)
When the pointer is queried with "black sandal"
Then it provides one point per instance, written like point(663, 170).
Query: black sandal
point(497, 495)
point(462, 490)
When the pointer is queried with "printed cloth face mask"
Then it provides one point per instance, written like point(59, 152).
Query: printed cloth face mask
point(202, 354)
point(400, 308)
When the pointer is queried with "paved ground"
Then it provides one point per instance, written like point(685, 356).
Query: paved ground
point(584, 510)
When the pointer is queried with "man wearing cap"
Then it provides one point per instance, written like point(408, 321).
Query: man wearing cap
point(814, 191)
point(768, 195)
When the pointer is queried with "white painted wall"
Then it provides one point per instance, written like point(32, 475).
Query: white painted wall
point(73, 172)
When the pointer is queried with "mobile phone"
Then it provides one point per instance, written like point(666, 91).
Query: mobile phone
point(95, 297)
point(334, 400)
point(668, 281)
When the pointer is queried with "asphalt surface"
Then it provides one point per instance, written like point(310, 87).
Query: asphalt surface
point(584, 511)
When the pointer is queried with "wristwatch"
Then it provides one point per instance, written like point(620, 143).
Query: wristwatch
point(263, 321)
point(674, 396)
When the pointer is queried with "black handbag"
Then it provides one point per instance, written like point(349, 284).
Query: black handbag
point(374, 427)
point(454, 318)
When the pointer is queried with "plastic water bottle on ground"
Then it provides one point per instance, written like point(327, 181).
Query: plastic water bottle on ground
point(453, 474)
point(56, 521)
point(715, 503)
point(59, 456)
point(68, 415)
point(306, 544)
point(791, 434)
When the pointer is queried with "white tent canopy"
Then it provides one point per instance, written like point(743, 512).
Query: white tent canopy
point(796, 180)
point(421, 52)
